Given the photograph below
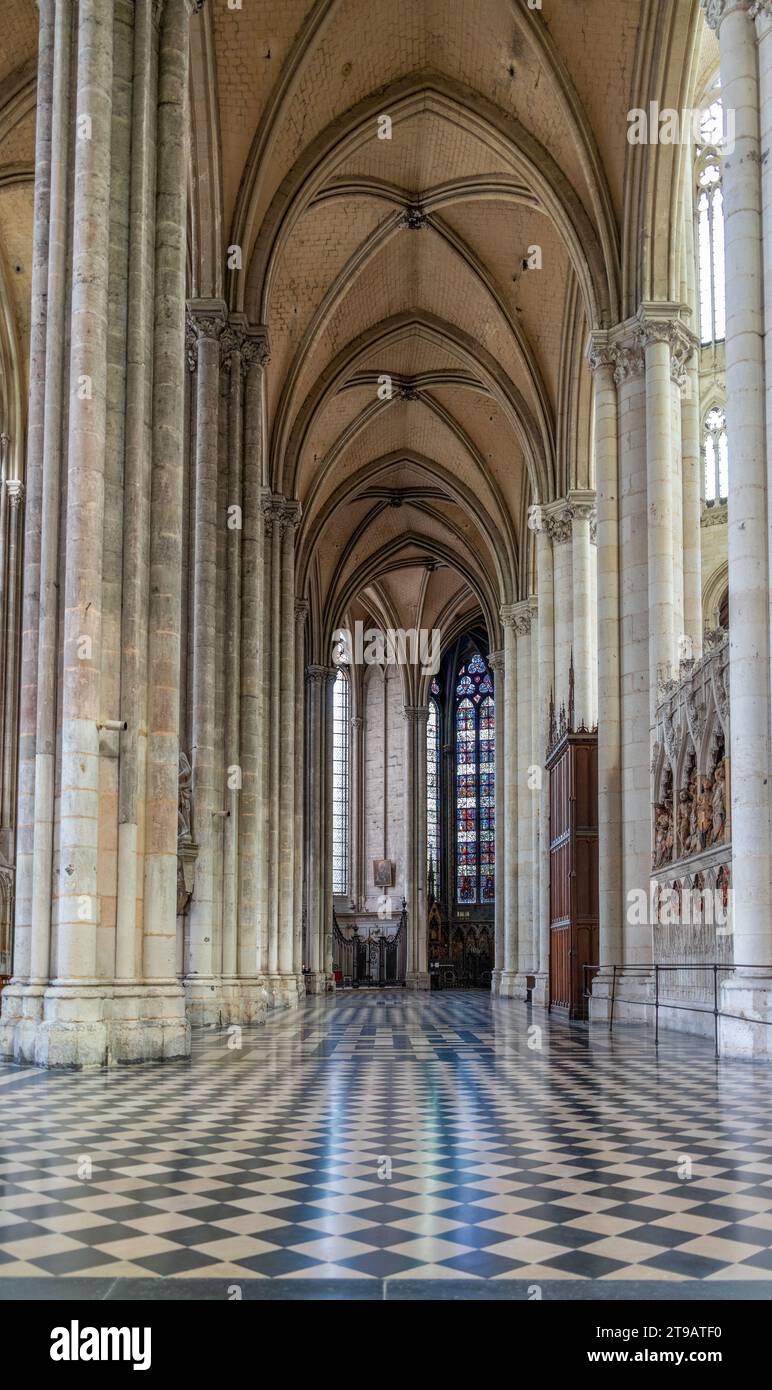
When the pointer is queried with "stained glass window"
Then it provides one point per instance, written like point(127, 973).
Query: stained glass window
point(433, 792)
point(340, 782)
point(710, 225)
point(475, 784)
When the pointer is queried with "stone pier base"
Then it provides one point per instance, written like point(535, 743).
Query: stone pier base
point(749, 1032)
point(91, 1026)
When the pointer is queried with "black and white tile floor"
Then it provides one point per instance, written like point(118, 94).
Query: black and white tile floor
point(389, 1136)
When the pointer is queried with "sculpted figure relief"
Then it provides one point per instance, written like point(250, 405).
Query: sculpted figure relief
point(718, 818)
point(184, 831)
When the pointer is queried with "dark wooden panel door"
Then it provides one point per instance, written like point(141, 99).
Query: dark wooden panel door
point(573, 771)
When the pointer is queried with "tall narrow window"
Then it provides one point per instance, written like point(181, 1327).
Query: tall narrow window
point(475, 784)
point(710, 225)
point(340, 782)
point(433, 792)
point(715, 455)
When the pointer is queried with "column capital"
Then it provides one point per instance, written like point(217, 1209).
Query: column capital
point(289, 516)
point(628, 362)
point(271, 505)
point(204, 319)
point(357, 722)
point(559, 517)
point(321, 675)
point(496, 661)
point(662, 323)
point(302, 607)
point(600, 351)
point(256, 351)
point(716, 10)
point(517, 616)
point(416, 713)
point(581, 502)
point(15, 489)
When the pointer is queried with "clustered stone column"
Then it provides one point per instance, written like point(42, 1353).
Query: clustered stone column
point(507, 869)
point(496, 663)
point(319, 682)
point(745, 46)
point(95, 960)
point(416, 719)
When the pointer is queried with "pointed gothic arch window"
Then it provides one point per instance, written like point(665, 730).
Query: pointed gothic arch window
point(715, 454)
point(709, 209)
point(475, 731)
point(341, 729)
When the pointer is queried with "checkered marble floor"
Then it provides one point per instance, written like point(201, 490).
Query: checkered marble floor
point(381, 1136)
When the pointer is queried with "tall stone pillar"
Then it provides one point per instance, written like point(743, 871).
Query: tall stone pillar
point(97, 903)
point(206, 320)
point(23, 1000)
point(691, 469)
point(602, 360)
point(508, 878)
point(416, 719)
point(288, 985)
point(526, 791)
point(298, 892)
point(252, 865)
point(496, 663)
point(316, 686)
point(558, 519)
point(749, 992)
point(583, 638)
point(636, 674)
point(328, 681)
point(358, 809)
point(667, 345)
point(539, 523)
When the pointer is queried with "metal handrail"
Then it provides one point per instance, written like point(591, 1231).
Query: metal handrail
point(656, 1003)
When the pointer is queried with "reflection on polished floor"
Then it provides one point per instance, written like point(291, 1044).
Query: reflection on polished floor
point(374, 1137)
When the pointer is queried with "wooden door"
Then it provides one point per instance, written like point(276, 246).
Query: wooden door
point(572, 766)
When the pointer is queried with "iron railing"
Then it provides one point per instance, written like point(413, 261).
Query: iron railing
point(657, 1003)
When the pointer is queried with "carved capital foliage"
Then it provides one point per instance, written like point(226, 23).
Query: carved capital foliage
point(716, 9)
point(416, 714)
point(628, 362)
point(600, 353)
point(256, 351)
point(289, 516)
point(496, 661)
point(205, 319)
point(15, 490)
point(656, 327)
point(559, 523)
point(302, 607)
point(231, 342)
